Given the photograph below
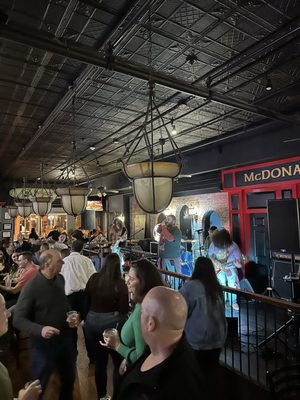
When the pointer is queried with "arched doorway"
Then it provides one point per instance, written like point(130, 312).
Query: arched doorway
point(210, 218)
point(185, 222)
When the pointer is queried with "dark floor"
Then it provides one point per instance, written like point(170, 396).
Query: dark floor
point(247, 349)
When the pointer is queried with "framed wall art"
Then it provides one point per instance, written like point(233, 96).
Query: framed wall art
point(7, 226)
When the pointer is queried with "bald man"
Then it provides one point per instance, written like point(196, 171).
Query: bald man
point(41, 311)
point(168, 369)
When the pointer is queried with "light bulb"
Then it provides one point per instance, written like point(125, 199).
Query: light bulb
point(269, 85)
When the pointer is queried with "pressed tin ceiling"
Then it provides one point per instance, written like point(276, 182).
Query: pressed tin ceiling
point(211, 61)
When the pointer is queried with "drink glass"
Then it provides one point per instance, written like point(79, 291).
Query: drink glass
point(73, 318)
point(112, 335)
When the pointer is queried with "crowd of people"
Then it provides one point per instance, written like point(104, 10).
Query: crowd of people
point(164, 343)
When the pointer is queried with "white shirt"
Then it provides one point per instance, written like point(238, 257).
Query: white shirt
point(76, 270)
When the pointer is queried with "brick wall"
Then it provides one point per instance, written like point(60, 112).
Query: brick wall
point(217, 202)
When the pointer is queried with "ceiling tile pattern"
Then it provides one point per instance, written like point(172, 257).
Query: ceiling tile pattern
point(77, 71)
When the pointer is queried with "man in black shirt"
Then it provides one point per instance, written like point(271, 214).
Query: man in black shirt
point(168, 369)
point(41, 311)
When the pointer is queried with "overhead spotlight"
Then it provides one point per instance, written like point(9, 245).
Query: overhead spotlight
point(173, 131)
point(115, 140)
point(92, 148)
point(269, 85)
point(98, 163)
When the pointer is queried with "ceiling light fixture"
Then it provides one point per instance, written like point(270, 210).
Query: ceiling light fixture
point(12, 211)
point(92, 148)
point(173, 131)
point(116, 141)
point(153, 179)
point(42, 198)
point(269, 85)
point(22, 200)
point(73, 197)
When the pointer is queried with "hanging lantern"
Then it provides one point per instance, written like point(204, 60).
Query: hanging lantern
point(153, 183)
point(74, 199)
point(12, 211)
point(42, 197)
point(24, 208)
point(41, 205)
point(152, 180)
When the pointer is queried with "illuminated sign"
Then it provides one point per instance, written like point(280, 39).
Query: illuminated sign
point(94, 205)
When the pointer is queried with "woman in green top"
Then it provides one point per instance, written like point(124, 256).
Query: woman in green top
point(143, 276)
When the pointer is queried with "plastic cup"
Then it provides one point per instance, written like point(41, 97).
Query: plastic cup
point(112, 335)
point(73, 318)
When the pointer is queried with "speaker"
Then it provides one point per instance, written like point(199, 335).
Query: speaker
point(257, 275)
point(284, 225)
point(283, 288)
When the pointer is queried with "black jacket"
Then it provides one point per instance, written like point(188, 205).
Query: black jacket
point(178, 377)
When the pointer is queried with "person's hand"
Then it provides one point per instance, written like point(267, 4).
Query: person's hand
point(123, 367)
point(159, 228)
point(73, 319)
point(31, 392)
point(49, 331)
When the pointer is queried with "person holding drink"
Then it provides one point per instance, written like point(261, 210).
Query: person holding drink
point(41, 311)
point(143, 276)
point(106, 303)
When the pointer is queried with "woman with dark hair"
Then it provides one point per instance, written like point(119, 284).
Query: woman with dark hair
point(227, 257)
point(143, 276)
point(206, 327)
point(106, 301)
point(33, 235)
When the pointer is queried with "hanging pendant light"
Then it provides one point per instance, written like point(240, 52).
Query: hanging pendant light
point(42, 197)
point(41, 205)
point(73, 197)
point(152, 180)
point(24, 208)
point(22, 202)
point(12, 211)
point(153, 183)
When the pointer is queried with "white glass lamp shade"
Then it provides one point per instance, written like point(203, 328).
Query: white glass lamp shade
point(41, 205)
point(153, 195)
point(73, 199)
point(153, 183)
point(12, 211)
point(24, 209)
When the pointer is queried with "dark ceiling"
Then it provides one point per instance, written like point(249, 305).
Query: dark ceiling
point(78, 71)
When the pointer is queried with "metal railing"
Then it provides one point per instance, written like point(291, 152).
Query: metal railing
point(263, 334)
